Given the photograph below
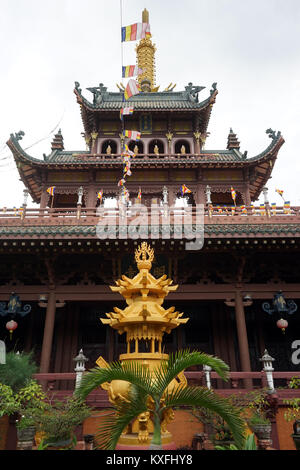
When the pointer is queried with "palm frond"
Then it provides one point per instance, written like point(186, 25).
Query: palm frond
point(200, 396)
point(132, 372)
point(181, 360)
point(113, 425)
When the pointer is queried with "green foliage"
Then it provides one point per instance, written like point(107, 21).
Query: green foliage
point(18, 370)
point(256, 419)
point(59, 419)
point(220, 430)
point(249, 444)
point(8, 404)
point(293, 411)
point(150, 392)
point(294, 382)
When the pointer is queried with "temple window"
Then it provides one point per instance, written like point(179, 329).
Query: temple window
point(156, 146)
point(182, 147)
point(136, 147)
point(109, 147)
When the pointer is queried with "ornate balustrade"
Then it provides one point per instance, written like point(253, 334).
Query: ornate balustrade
point(220, 214)
point(234, 385)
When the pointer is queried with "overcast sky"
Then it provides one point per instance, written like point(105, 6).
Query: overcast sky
point(250, 48)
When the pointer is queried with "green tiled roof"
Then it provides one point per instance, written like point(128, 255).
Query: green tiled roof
point(104, 100)
point(211, 229)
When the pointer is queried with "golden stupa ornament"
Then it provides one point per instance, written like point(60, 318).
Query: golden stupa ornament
point(145, 55)
point(144, 321)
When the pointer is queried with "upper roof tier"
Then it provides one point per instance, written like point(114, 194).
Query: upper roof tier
point(104, 102)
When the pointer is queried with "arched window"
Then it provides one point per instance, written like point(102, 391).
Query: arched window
point(182, 147)
point(136, 144)
point(109, 146)
point(156, 145)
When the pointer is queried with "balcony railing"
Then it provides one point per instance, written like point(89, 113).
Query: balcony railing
point(90, 215)
point(235, 384)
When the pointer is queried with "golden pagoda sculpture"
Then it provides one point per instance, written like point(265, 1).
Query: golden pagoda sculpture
point(145, 52)
point(144, 321)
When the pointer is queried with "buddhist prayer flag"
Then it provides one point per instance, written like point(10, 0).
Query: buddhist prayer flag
point(134, 135)
point(121, 182)
point(219, 209)
point(126, 112)
point(244, 210)
point(131, 71)
point(273, 207)
point(51, 190)
point(139, 196)
point(135, 31)
point(287, 207)
point(262, 209)
point(233, 194)
point(280, 192)
point(100, 195)
point(131, 89)
point(184, 190)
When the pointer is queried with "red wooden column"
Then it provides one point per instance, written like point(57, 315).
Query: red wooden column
point(242, 332)
point(245, 363)
point(48, 333)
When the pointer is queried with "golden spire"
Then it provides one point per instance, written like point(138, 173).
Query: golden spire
point(145, 55)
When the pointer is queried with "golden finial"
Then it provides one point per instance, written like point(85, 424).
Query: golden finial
point(145, 16)
point(144, 255)
point(145, 55)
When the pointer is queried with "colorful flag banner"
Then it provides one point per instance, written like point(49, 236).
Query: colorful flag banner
point(139, 196)
point(253, 209)
point(132, 88)
point(126, 193)
point(233, 194)
point(184, 190)
point(121, 182)
point(126, 112)
point(280, 192)
point(219, 209)
point(244, 210)
point(51, 190)
point(262, 208)
point(134, 135)
point(135, 31)
point(100, 195)
point(287, 207)
point(131, 71)
point(233, 210)
point(273, 207)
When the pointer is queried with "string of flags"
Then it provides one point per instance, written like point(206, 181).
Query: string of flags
point(135, 31)
point(131, 71)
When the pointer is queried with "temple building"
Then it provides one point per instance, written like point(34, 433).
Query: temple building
point(56, 260)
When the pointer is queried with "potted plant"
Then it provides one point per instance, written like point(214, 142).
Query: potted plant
point(58, 420)
point(292, 413)
point(7, 408)
point(29, 400)
point(14, 374)
point(260, 425)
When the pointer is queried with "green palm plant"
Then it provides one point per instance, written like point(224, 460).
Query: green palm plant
point(151, 391)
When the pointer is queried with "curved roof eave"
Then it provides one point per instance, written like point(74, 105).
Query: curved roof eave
point(27, 169)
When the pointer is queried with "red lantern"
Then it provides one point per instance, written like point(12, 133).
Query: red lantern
point(11, 326)
point(282, 324)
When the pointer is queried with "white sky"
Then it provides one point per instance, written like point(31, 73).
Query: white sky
point(251, 49)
